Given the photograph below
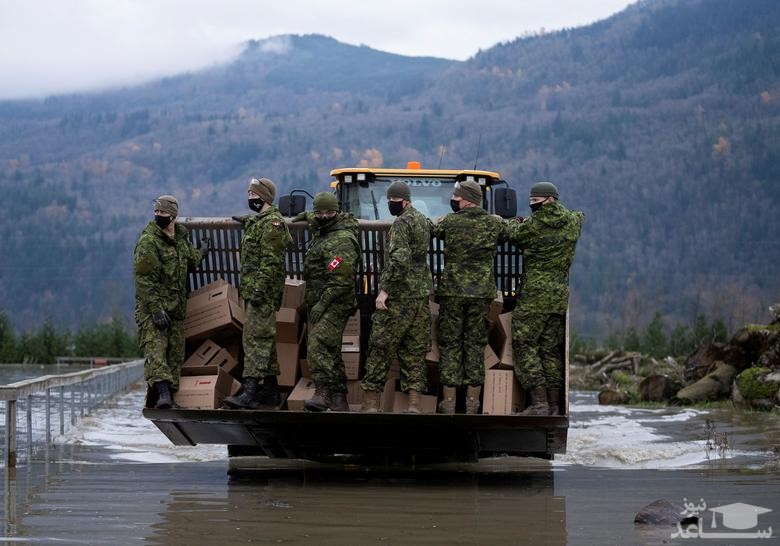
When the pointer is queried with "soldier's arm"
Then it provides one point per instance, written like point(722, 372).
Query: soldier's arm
point(147, 266)
point(194, 257)
point(520, 233)
point(340, 264)
point(399, 256)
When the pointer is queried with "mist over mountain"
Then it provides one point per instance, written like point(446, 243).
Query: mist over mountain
point(661, 123)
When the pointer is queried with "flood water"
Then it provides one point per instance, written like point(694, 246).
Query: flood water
point(116, 480)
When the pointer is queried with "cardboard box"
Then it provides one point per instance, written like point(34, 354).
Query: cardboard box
point(433, 355)
point(213, 312)
point(350, 354)
point(303, 390)
point(501, 340)
point(386, 400)
point(491, 359)
point(201, 356)
point(293, 294)
point(218, 360)
point(401, 402)
point(205, 391)
point(288, 356)
point(496, 307)
point(288, 324)
point(353, 326)
point(305, 370)
point(209, 286)
point(503, 395)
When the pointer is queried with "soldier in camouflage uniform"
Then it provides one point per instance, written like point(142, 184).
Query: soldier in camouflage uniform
point(163, 256)
point(329, 270)
point(401, 324)
point(547, 238)
point(262, 282)
point(465, 291)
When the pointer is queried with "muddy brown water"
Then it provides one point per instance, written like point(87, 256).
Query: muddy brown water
point(93, 502)
point(92, 494)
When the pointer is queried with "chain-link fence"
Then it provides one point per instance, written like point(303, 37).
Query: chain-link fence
point(36, 410)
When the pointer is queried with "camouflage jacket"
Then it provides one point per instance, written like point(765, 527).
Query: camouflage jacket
point(161, 265)
point(470, 238)
point(547, 238)
point(262, 257)
point(406, 273)
point(330, 266)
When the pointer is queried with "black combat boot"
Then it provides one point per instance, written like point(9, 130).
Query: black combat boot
point(338, 401)
point(269, 392)
point(164, 395)
point(249, 397)
point(320, 401)
point(553, 399)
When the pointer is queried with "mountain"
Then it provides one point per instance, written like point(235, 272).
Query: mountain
point(660, 122)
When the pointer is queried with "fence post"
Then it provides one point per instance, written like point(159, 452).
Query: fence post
point(10, 434)
point(29, 427)
point(62, 410)
point(48, 417)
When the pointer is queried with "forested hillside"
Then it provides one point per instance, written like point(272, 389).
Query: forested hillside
point(661, 123)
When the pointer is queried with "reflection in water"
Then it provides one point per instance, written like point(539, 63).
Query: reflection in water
point(334, 507)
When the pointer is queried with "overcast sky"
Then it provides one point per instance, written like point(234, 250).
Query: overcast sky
point(56, 46)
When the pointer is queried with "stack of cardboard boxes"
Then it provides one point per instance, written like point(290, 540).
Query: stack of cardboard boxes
point(213, 328)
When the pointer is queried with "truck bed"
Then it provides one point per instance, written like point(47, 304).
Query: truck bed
point(387, 437)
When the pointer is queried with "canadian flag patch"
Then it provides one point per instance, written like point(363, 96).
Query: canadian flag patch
point(334, 263)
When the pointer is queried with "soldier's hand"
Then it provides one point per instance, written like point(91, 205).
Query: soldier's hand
point(519, 219)
point(205, 246)
point(161, 320)
point(301, 217)
point(381, 300)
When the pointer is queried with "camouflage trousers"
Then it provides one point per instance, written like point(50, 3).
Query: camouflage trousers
point(259, 340)
point(537, 347)
point(163, 351)
point(402, 331)
point(324, 349)
point(463, 334)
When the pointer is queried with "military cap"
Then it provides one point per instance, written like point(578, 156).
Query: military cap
point(264, 188)
point(167, 203)
point(325, 201)
point(544, 189)
point(470, 191)
point(400, 190)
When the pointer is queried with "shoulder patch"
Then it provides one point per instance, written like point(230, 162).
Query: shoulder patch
point(334, 263)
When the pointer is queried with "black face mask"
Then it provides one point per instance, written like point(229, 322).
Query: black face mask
point(395, 207)
point(536, 206)
point(256, 204)
point(454, 205)
point(322, 222)
point(163, 221)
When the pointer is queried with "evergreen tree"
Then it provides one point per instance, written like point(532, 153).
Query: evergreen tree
point(654, 340)
point(681, 341)
point(632, 341)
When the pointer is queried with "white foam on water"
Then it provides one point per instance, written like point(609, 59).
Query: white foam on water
point(122, 429)
point(622, 437)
